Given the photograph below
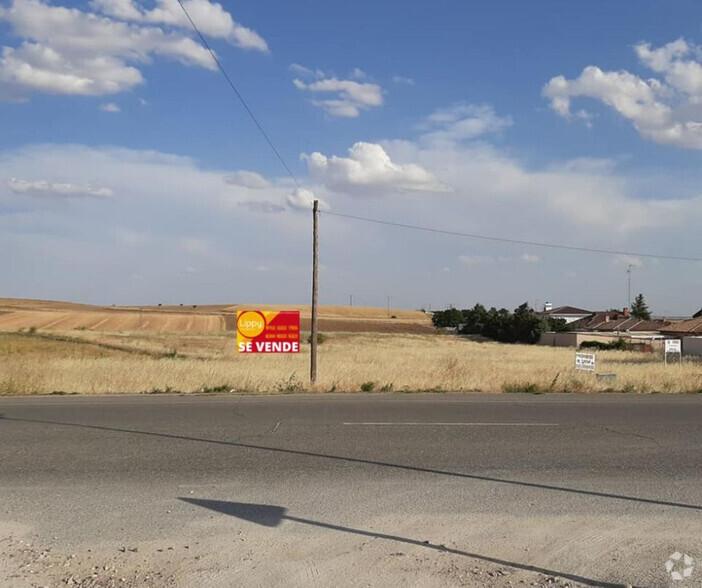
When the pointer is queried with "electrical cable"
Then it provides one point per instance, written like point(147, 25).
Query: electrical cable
point(508, 240)
point(239, 96)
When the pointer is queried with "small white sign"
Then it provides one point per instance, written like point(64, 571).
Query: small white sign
point(673, 346)
point(585, 362)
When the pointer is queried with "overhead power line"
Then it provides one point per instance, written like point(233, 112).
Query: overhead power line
point(512, 241)
point(239, 96)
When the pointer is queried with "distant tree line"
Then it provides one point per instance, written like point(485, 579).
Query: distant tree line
point(521, 326)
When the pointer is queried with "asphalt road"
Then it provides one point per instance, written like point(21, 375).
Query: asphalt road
point(377, 490)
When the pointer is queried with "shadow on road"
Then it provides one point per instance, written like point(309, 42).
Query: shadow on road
point(360, 460)
point(272, 516)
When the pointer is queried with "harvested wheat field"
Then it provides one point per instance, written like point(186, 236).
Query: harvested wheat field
point(16, 315)
point(91, 362)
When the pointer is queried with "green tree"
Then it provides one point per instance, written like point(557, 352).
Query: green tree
point(556, 325)
point(498, 325)
point(474, 320)
point(639, 309)
point(527, 326)
point(451, 318)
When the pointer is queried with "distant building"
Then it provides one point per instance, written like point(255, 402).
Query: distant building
point(688, 328)
point(603, 326)
point(569, 314)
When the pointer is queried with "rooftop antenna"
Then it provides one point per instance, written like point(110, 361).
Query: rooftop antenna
point(628, 275)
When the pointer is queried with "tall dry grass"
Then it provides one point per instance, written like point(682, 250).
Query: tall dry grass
point(346, 364)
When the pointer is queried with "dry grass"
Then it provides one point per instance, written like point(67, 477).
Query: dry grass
point(189, 362)
point(109, 320)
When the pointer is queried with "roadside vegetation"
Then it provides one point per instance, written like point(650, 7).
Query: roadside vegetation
point(142, 362)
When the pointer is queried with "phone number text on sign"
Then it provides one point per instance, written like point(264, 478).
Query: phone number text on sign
point(263, 331)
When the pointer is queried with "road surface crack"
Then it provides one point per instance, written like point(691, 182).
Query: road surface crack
point(629, 434)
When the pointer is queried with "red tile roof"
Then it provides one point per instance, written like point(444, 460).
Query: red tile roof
point(691, 327)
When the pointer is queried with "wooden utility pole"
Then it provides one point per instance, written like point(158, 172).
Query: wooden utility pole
point(315, 289)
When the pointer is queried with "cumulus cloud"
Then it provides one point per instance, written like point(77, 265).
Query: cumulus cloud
point(368, 169)
point(350, 96)
point(305, 72)
point(71, 51)
point(110, 107)
point(210, 18)
point(247, 179)
point(302, 199)
point(49, 189)
point(462, 122)
point(571, 196)
point(667, 111)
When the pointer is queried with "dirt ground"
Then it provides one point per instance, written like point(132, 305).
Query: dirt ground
point(26, 561)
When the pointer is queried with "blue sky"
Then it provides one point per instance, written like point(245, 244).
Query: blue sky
point(126, 163)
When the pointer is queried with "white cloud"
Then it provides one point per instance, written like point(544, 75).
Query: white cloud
point(487, 182)
point(110, 107)
point(79, 246)
point(122, 9)
point(402, 80)
point(247, 179)
point(66, 190)
point(667, 111)
point(70, 51)
point(210, 18)
point(350, 97)
point(530, 258)
point(369, 169)
point(302, 199)
point(462, 122)
point(306, 72)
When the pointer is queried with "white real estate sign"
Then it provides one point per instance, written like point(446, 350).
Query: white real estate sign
point(585, 362)
point(672, 346)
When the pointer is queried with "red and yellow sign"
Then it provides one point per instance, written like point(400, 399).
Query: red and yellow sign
point(263, 331)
